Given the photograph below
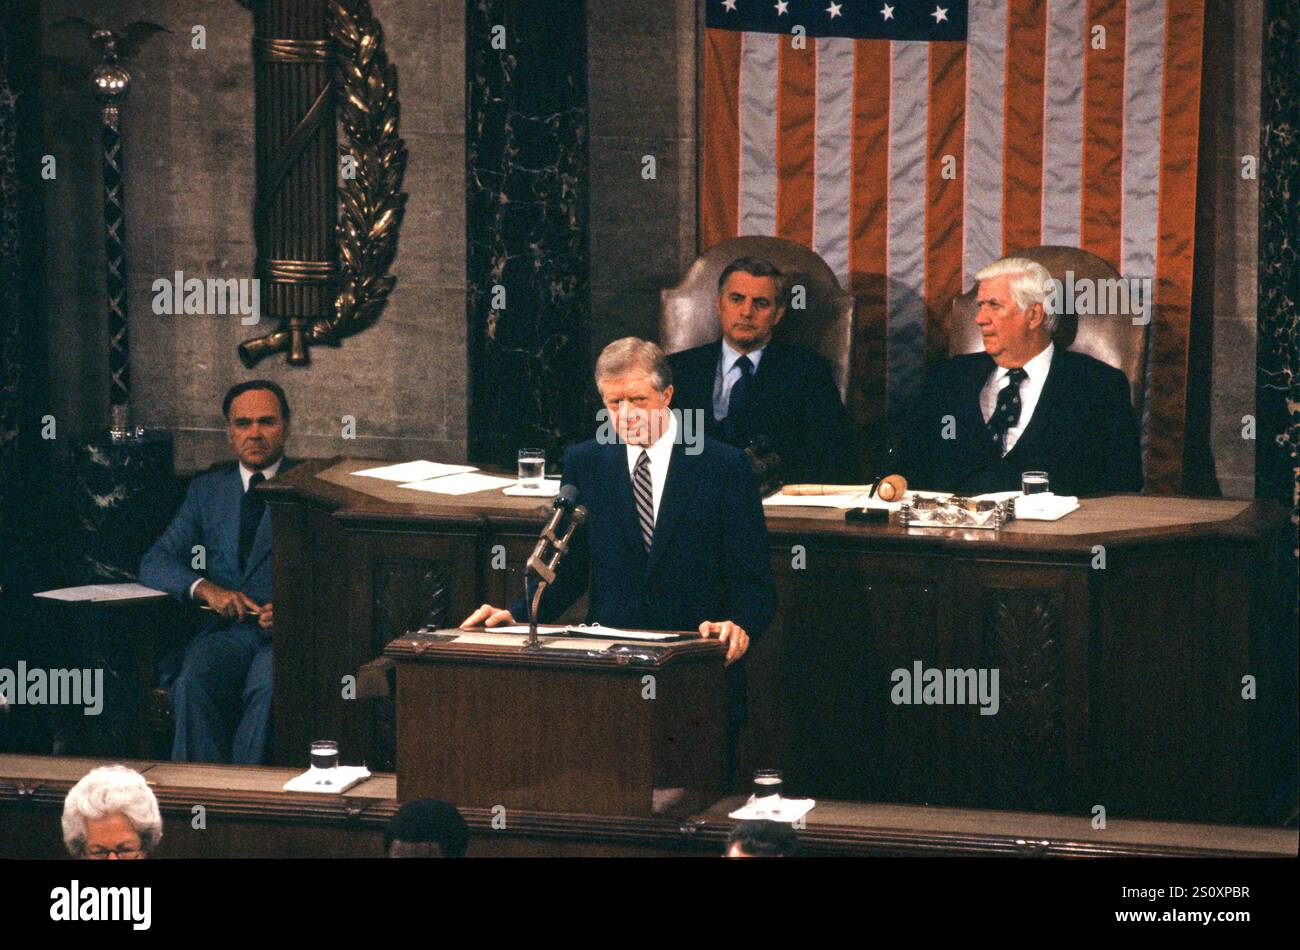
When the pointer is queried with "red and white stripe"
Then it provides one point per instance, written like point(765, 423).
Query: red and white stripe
point(1055, 138)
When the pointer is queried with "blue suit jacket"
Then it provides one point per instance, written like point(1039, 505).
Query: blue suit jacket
point(709, 559)
point(1083, 432)
point(209, 516)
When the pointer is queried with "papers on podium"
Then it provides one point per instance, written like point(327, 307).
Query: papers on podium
point(589, 630)
point(463, 483)
point(416, 471)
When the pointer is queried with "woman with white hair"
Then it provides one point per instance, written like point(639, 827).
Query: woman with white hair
point(111, 813)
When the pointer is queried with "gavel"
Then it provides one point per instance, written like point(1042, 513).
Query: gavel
point(889, 488)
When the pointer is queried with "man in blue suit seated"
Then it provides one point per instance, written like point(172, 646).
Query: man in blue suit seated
point(754, 390)
point(675, 537)
point(217, 551)
point(1024, 404)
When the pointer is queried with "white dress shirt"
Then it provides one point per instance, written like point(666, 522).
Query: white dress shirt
point(661, 454)
point(1031, 387)
point(246, 475)
point(727, 374)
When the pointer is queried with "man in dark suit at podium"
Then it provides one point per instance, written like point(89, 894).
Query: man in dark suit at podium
point(222, 697)
point(675, 537)
point(752, 389)
point(1022, 405)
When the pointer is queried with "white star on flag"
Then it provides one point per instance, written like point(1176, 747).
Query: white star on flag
point(834, 10)
point(887, 12)
point(730, 5)
point(940, 13)
point(781, 7)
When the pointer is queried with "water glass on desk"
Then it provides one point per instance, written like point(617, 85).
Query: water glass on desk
point(1033, 483)
point(766, 798)
point(324, 757)
point(532, 469)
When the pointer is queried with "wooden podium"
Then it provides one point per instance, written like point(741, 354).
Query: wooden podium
point(577, 725)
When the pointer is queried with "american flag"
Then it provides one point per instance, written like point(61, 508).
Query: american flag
point(911, 142)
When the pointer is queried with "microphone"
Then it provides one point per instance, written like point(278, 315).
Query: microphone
point(540, 565)
point(567, 498)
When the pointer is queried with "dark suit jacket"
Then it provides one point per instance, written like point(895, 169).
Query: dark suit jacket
point(1083, 432)
point(709, 559)
point(793, 401)
point(210, 516)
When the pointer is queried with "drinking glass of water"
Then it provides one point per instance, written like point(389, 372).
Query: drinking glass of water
point(532, 469)
point(767, 791)
point(324, 756)
point(1034, 483)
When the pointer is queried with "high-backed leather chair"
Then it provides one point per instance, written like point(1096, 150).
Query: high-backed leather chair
point(1112, 338)
point(825, 325)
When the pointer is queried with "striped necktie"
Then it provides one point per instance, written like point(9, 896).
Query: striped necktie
point(643, 491)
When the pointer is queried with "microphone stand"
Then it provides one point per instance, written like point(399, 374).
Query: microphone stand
point(542, 565)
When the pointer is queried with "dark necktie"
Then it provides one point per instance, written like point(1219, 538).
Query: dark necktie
point(643, 492)
point(1007, 412)
point(731, 426)
point(251, 507)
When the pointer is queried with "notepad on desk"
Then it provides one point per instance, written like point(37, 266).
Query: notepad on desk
point(416, 471)
point(464, 483)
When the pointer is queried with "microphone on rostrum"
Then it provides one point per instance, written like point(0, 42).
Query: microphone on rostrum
point(541, 564)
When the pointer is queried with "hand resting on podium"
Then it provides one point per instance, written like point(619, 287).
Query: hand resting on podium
point(728, 632)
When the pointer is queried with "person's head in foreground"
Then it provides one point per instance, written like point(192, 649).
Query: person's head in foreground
point(636, 386)
point(1015, 313)
point(111, 814)
point(426, 828)
point(762, 839)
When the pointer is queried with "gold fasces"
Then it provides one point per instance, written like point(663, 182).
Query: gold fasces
point(371, 200)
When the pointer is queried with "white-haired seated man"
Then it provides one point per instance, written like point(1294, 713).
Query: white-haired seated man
point(1024, 404)
point(111, 814)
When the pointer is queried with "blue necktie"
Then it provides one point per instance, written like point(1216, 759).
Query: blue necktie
point(1007, 412)
point(732, 425)
point(251, 507)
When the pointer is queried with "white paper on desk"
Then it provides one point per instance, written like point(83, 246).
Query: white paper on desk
point(99, 593)
point(611, 633)
point(787, 810)
point(465, 483)
point(846, 500)
point(488, 639)
point(595, 630)
point(542, 629)
point(1045, 506)
point(340, 780)
point(415, 471)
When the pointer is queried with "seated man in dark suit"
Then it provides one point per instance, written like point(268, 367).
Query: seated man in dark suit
point(675, 537)
point(753, 390)
point(1024, 404)
point(217, 551)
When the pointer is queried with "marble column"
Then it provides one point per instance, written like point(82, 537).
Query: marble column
point(1277, 470)
point(527, 268)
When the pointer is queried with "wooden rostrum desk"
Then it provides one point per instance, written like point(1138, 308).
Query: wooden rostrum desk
point(247, 814)
point(1119, 686)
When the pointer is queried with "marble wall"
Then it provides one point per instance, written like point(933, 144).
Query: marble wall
point(188, 133)
point(528, 301)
